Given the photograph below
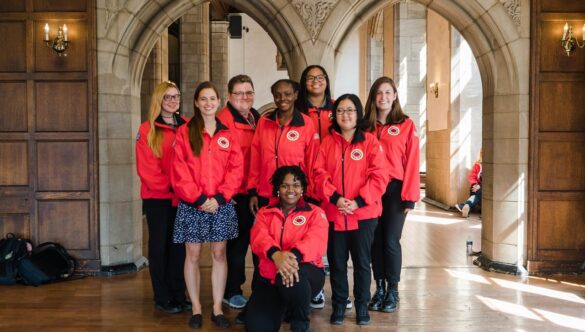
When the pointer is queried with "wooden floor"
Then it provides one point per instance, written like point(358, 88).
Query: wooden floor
point(441, 290)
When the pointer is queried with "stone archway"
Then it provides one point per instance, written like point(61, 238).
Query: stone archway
point(497, 36)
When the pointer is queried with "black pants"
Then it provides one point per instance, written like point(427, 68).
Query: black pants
point(386, 250)
point(262, 202)
point(165, 258)
point(238, 248)
point(269, 301)
point(474, 199)
point(359, 244)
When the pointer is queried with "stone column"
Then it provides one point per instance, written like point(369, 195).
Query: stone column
point(410, 78)
point(219, 56)
point(194, 53)
point(155, 71)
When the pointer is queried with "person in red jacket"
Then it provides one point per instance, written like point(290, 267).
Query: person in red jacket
point(153, 162)
point(207, 172)
point(350, 177)
point(474, 189)
point(290, 238)
point(314, 90)
point(241, 118)
point(398, 136)
point(283, 137)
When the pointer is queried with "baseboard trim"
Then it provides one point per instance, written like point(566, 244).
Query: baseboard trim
point(125, 268)
point(492, 266)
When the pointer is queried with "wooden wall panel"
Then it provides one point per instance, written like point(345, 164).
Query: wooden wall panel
point(13, 41)
point(556, 188)
point(561, 165)
point(61, 106)
point(552, 57)
point(13, 164)
point(76, 60)
point(12, 6)
point(66, 222)
point(59, 6)
point(63, 166)
point(567, 99)
point(560, 225)
point(13, 106)
point(15, 223)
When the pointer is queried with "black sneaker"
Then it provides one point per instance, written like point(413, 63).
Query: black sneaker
point(195, 321)
point(318, 302)
point(169, 307)
point(362, 316)
point(185, 305)
point(220, 321)
point(337, 316)
point(241, 317)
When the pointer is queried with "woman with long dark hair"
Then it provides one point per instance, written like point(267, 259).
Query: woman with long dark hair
point(399, 139)
point(350, 176)
point(207, 173)
point(290, 238)
point(153, 162)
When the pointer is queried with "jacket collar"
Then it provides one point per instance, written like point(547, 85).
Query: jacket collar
point(327, 105)
point(161, 123)
point(238, 117)
point(301, 206)
point(296, 121)
point(358, 136)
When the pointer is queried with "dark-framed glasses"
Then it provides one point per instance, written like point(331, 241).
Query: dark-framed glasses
point(241, 94)
point(172, 97)
point(347, 111)
point(317, 78)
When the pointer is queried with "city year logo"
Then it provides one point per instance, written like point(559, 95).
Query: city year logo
point(293, 135)
point(223, 142)
point(393, 130)
point(356, 154)
point(299, 221)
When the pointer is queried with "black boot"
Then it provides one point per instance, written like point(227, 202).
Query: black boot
point(338, 315)
point(378, 298)
point(391, 299)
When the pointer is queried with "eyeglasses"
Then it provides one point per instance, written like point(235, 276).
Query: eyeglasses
point(318, 78)
point(172, 97)
point(241, 94)
point(294, 186)
point(348, 111)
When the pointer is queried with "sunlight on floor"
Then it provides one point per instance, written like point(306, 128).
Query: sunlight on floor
point(539, 290)
point(468, 276)
point(432, 220)
point(509, 308)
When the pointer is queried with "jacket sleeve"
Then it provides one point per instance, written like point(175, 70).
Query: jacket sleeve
point(234, 172)
point(411, 181)
point(260, 239)
point(186, 187)
point(149, 167)
point(311, 149)
point(313, 244)
point(324, 187)
point(474, 174)
point(255, 160)
point(377, 176)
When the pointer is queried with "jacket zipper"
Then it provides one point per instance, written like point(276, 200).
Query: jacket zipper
point(282, 231)
point(277, 143)
point(319, 122)
point(343, 176)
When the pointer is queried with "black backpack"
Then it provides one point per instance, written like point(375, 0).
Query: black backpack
point(12, 251)
point(49, 262)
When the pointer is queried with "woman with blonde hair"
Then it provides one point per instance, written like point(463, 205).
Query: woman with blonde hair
point(153, 162)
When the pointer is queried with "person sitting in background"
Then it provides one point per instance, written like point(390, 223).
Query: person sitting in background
point(474, 190)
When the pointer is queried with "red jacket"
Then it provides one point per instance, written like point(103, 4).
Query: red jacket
point(155, 172)
point(303, 232)
point(273, 146)
point(356, 171)
point(216, 172)
point(243, 131)
point(475, 175)
point(401, 145)
point(322, 117)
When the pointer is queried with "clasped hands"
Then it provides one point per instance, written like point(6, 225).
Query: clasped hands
point(346, 206)
point(287, 266)
point(210, 206)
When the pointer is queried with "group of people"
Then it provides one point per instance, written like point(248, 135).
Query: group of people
point(315, 178)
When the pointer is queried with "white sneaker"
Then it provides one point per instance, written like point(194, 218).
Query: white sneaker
point(349, 304)
point(318, 302)
point(465, 211)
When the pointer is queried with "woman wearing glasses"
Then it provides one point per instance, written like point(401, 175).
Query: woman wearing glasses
point(153, 162)
point(350, 176)
point(397, 134)
point(207, 172)
point(315, 98)
point(289, 237)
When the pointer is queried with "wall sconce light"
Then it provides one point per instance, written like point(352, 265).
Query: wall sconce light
point(60, 43)
point(435, 89)
point(569, 43)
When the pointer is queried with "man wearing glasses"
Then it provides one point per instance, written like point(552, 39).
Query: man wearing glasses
point(241, 118)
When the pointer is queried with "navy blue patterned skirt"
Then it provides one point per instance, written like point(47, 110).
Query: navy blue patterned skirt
point(196, 226)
